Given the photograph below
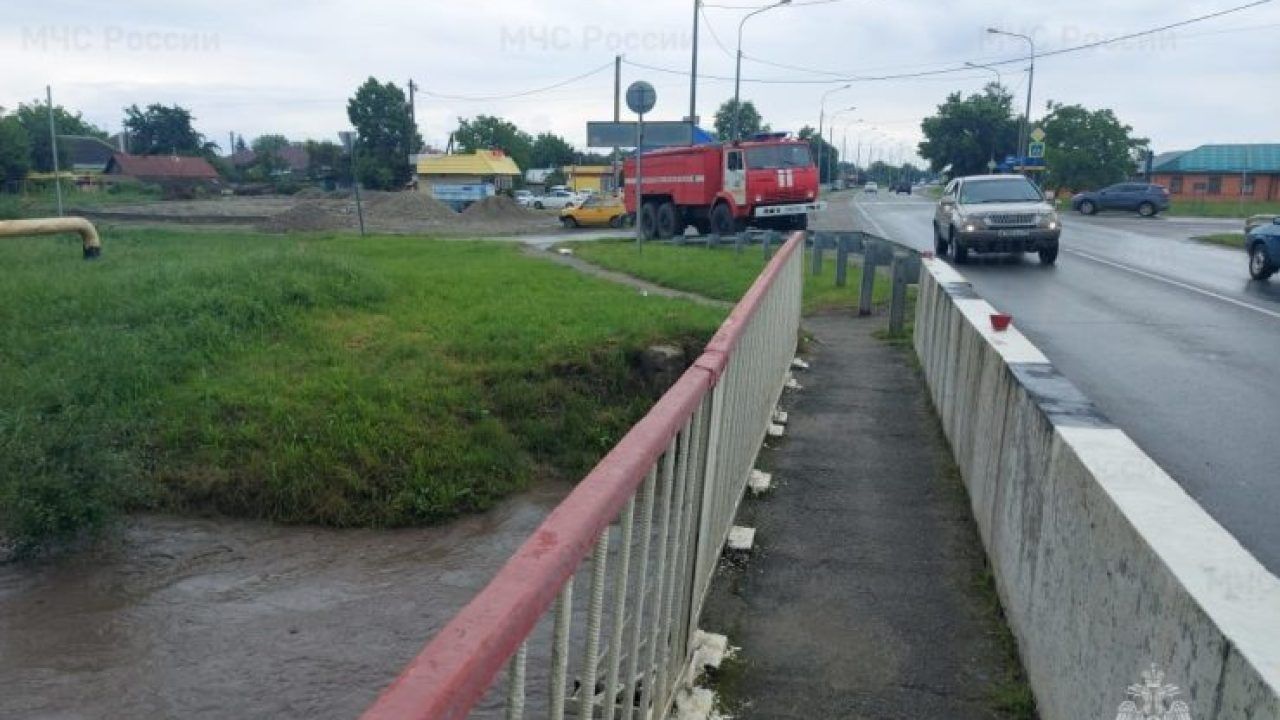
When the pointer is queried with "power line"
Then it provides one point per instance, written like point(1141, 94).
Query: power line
point(839, 77)
point(712, 31)
point(522, 93)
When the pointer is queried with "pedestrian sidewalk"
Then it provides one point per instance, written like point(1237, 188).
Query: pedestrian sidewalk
point(866, 594)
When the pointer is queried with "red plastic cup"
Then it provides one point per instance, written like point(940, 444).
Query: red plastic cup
point(1000, 321)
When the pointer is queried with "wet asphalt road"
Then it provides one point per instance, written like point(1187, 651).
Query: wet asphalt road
point(1169, 337)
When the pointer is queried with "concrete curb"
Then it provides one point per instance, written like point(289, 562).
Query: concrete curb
point(1103, 563)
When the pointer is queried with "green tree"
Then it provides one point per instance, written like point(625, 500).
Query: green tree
point(486, 132)
point(1087, 149)
point(749, 121)
point(15, 149)
point(385, 135)
point(267, 158)
point(34, 119)
point(551, 150)
point(820, 148)
point(327, 161)
point(164, 130)
point(968, 133)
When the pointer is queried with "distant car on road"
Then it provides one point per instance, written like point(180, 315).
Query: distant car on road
point(556, 200)
point(995, 213)
point(1145, 198)
point(901, 188)
point(871, 189)
point(523, 197)
point(1263, 246)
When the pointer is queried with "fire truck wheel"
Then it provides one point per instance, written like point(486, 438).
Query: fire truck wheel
point(722, 220)
point(648, 218)
point(666, 220)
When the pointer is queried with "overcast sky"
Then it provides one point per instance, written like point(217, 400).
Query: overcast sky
point(288, 67)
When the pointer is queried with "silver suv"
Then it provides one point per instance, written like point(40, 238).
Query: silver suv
point(995, 213)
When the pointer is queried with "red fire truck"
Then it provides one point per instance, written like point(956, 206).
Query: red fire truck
point(769, 181)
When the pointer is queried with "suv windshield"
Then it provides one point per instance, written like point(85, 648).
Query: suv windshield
point(995, 191)
point(778, 156)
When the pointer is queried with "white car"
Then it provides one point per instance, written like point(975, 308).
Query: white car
point(556, 200)
point(523, 197)
point(871, 189)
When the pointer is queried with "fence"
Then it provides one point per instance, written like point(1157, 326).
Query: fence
point(653, 517)
point(903, 262)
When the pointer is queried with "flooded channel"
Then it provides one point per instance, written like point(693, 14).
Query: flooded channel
point(198, 618)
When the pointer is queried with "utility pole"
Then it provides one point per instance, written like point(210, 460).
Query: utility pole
point(617, 117)
point(693, 71)
point(413, 115)
point(53, 147)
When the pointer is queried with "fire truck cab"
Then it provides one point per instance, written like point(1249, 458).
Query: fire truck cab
point(769, 181)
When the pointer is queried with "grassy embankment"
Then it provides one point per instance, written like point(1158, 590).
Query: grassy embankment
point(1225, 209)
point(1235, 241)
point(722, 273)
point(316, 379)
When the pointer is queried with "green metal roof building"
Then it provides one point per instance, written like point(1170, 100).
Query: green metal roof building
point(1222, 172)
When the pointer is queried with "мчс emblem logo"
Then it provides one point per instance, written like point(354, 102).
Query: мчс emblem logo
point(1153, 700)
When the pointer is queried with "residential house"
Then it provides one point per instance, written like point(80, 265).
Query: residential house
point(460, 179)
point(590, 177)
point(1221, 172)
point(176, 175)
point(293, 157)
point(84, 153)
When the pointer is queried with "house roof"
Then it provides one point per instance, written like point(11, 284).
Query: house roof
point(162, 166)
point(483, 162)
point(86, 152)
point(1254, 157)
point(294, 156)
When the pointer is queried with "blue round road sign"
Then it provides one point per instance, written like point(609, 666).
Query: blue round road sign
point(641, 97)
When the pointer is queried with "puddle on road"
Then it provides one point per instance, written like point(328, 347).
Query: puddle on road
point(227, 619)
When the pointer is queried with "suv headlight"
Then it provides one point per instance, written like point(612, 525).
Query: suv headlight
point(973, 223)
point(1049, 221)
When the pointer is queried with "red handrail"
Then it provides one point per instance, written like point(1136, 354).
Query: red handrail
point(455, 669)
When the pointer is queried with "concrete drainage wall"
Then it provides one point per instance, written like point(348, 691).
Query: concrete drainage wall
point(1104, 564)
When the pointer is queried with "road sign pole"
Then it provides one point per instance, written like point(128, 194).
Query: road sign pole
point(639, 183)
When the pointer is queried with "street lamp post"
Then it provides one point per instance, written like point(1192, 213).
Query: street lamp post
point(822, 111)
point(737, 73)
point(1031, 78)
point(831, 133)
point(991, 165)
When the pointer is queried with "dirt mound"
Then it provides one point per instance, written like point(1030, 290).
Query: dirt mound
point(411, 207)
point(311, 216)
point(498, 207)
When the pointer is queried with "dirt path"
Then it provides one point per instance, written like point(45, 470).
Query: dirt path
point(643, 286)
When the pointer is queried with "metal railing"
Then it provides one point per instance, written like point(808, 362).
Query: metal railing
point(642, 533)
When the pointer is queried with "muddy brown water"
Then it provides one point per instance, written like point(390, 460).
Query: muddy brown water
point(201, 618)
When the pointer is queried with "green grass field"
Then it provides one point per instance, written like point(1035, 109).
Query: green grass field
point(1225, 209)
point(44, 203)
point(722, 273)
point(315, 379)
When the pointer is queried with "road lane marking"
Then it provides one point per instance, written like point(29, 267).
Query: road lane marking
point(1175, 283)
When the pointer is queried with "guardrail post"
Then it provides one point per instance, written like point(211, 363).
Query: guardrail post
point(842, 260)
point(815, 267)
point(713, 240)
point(737, 243)
point(898, 301)
point(870, 251)
point(764, 243)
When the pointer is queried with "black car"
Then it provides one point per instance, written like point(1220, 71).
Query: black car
point(1144, 198)
point(901, 188)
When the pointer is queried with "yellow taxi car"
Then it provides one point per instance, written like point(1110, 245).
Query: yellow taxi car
point(595, 210)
